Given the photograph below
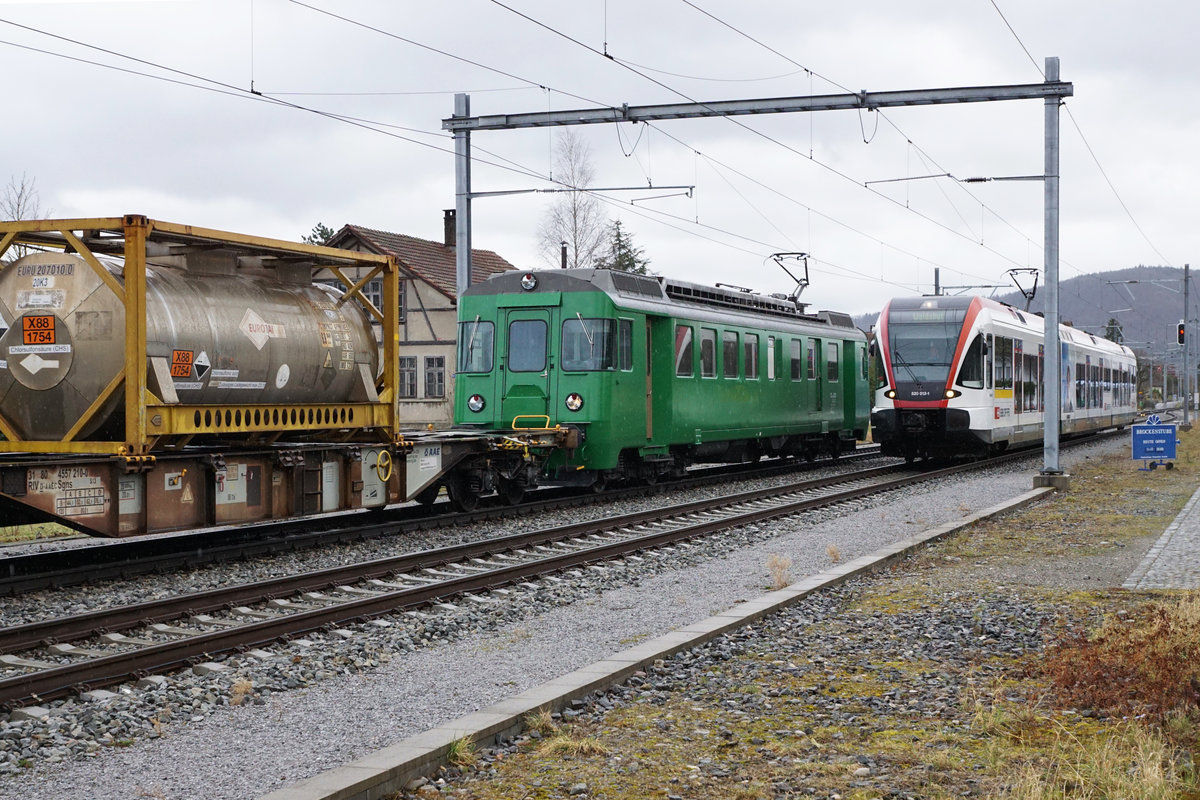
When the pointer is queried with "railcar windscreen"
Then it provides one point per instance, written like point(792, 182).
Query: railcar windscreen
point(922, 343)
point(589, 344)
point(970, 374)
point(475, 345)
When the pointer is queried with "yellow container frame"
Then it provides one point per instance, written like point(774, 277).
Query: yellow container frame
point(150, 423)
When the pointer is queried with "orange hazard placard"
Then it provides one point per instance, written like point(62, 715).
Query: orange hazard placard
point(38, 329)
point(181, 363)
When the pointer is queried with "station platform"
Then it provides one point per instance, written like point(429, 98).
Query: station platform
point(1173, 562)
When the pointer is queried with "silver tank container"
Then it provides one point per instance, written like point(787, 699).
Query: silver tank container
point(228, 340)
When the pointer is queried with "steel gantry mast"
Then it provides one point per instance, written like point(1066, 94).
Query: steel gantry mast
point(1051, 91)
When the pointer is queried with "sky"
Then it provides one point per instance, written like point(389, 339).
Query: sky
point(268, 116)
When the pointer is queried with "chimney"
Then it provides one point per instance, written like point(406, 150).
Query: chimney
point(449, 227)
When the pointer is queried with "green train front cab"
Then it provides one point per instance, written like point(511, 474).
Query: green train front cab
point(547, 349)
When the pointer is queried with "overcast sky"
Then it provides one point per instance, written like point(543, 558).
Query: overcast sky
point(108, 140)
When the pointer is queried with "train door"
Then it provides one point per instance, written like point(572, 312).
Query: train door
point(815, 382)
point(526, 376)
point(649, 388)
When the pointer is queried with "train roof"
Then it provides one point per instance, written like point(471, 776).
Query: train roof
point(654, 292)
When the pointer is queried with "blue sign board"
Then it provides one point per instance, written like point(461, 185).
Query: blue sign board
point(1153, 441)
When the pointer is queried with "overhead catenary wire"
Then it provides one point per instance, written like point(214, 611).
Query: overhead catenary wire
point(579, 97)
point(752, 130)
point(1078, 129)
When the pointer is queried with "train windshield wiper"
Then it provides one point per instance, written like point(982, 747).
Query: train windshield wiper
point(907, 368)
point(587, 334)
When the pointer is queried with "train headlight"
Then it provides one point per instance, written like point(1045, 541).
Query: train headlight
point(574, 401)
point(529, 281)
point(952, 393)
point(476, 403)
point(890, 394)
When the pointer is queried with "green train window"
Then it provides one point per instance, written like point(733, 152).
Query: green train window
point(750, 354)
point(797, 360)
point(475, 346)
point(625, 345)
point(811, 359)
point(729, 353)
point(684, 367)
point(527, 345)
point(708, 353)
point(770, 358)
point(831, 361)
point(589, 345)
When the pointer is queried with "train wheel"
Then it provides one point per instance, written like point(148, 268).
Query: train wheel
point(462, 496)
point(426, 496)
point(511, 492)
point(600, 484)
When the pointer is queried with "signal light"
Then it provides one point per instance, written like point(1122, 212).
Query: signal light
point(1180, 331)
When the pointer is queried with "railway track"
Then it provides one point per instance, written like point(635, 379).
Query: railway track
point(70, 566)
point(55, 658)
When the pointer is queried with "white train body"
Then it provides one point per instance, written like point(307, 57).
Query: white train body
point(962, 376)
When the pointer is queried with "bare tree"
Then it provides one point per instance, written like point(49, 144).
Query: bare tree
point(575, 217)
point(20, 201)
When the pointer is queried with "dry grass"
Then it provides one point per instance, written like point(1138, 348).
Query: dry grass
point(1132, 761)
point(241, 689)
point(1144, 662)
point(576, 747)
point(779, 567)
point(542, 722)
point(835, 555)
point(461, 752)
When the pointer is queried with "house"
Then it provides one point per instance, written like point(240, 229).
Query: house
point(428, 312)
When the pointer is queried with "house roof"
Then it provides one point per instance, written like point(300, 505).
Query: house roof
point(434, 262)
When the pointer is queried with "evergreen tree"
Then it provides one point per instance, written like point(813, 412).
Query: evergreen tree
point(622, 253)
point(1112, 330)
point(321, 233)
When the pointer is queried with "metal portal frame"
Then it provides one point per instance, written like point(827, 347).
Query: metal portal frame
point(1052, 91)
point(152, 422)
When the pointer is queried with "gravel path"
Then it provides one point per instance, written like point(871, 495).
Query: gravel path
point(312, 705)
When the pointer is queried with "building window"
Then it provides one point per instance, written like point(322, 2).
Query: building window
point(408, 376)
point(435, 376)
point(372, 290)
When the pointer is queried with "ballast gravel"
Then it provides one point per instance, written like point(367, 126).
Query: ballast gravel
point(268, 718)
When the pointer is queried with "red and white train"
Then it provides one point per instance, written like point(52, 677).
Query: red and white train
point(962, 376)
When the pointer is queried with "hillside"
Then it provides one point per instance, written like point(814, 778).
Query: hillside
point(1148, 308)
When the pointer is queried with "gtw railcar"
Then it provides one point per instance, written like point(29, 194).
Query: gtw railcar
point(655, 374)
point(962, 376)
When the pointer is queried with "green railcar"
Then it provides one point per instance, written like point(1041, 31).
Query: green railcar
point(656, 374)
